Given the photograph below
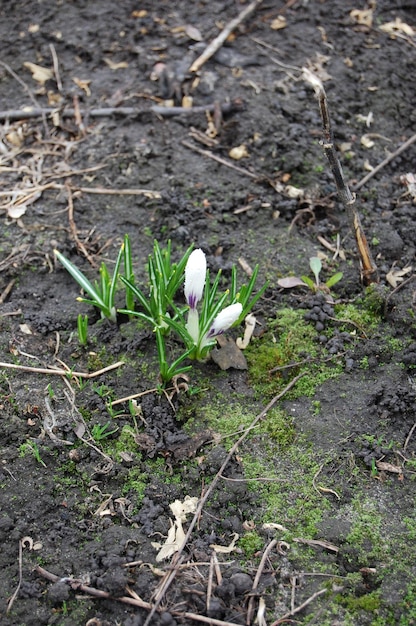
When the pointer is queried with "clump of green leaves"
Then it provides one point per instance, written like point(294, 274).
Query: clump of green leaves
point(206, 314)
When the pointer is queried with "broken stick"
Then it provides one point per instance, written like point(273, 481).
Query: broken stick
point(369, 272)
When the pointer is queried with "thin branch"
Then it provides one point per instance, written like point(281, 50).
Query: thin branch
point(16, 114)
point(262, 564)
point(171, 575)
point(216, 43)
point(386, 161)
point(299, 608)
point(76, 585)
point(80, 246)
point(55, 66)
point(214, 157)
point(60, 372)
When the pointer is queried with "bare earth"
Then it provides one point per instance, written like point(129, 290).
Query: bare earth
point(316, 504)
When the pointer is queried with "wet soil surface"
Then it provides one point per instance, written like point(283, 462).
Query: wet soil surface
point(335, 477)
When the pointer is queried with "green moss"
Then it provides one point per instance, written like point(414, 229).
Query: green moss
point(136, 483)
point(251, 543)
point(369, 602)
point(360, 314)
point(280, 427)
point(289, 339)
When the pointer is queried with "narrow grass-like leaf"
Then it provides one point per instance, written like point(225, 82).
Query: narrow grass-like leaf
point(82, 280)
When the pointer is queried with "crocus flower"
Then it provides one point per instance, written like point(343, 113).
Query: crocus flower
point(195, 274)
point(225, 319)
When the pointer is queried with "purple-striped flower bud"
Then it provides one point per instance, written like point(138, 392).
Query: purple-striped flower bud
point(225, 319)
point(195, 274)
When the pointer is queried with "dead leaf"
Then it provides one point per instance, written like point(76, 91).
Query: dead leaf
point(226, 549)
point(229, 355)
point(250, 322)
point(409, 180)
point(176, 533)
point(193, 33)
point(25, 329)
point(396, 276)
point(83, 84)
point(294, 192)
point(139, 13)
point(39, 74)
point(239, 152)
point(113, 65)
point(397, 27)
point(363, 17)
point(291, 281)
point(278, 23)
point(388, 467)
point(318, 543)
point(366, 142)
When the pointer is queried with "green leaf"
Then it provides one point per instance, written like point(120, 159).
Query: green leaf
point(316, 266)
point(83, 281)
point(333, 280)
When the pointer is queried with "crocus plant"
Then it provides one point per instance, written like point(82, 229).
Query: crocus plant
point(206, 315)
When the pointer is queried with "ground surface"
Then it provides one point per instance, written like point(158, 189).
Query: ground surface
point(331, 467)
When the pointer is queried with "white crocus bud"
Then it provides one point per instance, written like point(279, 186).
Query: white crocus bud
point(225, 319)
point(195, 274)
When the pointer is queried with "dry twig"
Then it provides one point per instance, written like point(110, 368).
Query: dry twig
point(216, 43)
point(20, 114)
point(214, 157)
point(61, 372)
point(386, 161)
point(132, 600)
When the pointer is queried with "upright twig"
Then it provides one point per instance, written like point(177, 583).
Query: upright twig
point(369, 272)
point(216, 43)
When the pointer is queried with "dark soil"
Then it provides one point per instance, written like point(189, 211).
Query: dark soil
point(88, 510)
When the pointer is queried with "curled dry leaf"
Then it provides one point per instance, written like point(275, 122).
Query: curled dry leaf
point(113, 65)
point(239, 152)
point(83, 84)
point(396, 276)
point(397, 27)
point(226, 549)
point(363, 17)
point(278, 23)
point(14, 212)
point(39, 74)
point(242, 342)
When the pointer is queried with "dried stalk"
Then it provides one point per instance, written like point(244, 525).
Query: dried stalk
point(369, 272)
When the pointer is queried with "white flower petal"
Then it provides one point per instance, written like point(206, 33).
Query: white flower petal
point(225, 319)
point(195, 274)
